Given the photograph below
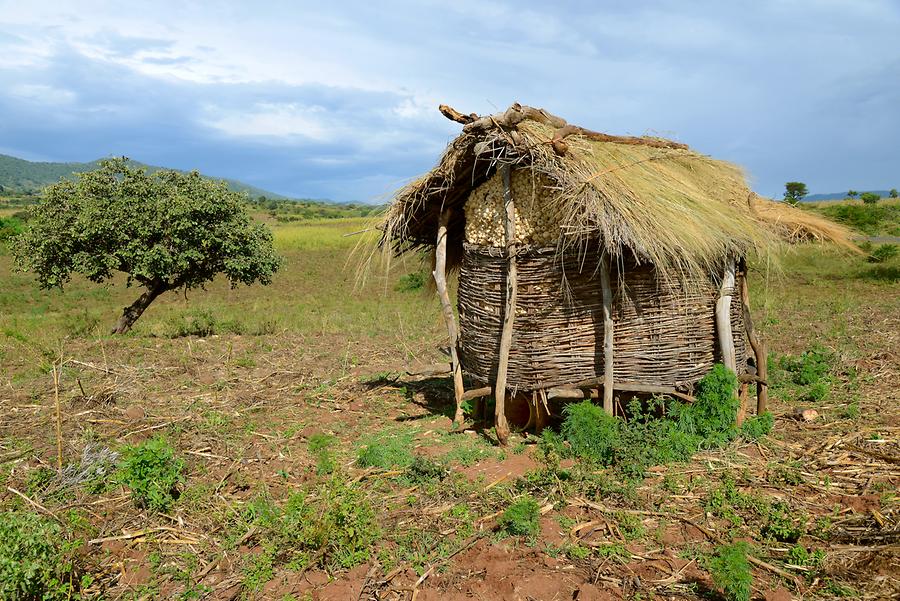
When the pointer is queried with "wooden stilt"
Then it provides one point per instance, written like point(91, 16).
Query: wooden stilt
point(743, 390)
point(440, 281)
point(723, 318)
point(606, 290)
point(510, 311)
point(759, 349)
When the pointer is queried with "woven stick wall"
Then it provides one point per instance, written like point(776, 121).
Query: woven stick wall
point(664, 332)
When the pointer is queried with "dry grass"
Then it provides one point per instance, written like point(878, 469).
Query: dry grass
point(672, 207)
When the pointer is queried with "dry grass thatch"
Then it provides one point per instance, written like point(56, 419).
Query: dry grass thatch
point(655, 200)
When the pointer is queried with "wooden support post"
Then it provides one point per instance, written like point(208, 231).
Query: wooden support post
point(440, 281)
point(759, 348)
point(509, 314)
point(606, 290)
point(723, 318)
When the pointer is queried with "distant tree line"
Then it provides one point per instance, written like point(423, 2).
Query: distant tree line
point(794, 192)
point(285, 210)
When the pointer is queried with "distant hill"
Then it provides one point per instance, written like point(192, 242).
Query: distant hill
point(18, 176)
point(841, 195)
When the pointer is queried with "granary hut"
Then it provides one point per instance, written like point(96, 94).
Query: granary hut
point(589, 264)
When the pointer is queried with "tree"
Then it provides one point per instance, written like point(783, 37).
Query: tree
point(165, 231)
point(893, 193)
point(794, 192)
point(869, 198)
point(852, 194)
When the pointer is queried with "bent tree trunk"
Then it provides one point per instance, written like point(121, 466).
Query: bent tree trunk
point(137, 308)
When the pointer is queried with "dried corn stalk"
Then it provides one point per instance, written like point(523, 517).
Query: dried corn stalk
point(537, 211)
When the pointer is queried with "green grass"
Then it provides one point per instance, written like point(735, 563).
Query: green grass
point(879, 219)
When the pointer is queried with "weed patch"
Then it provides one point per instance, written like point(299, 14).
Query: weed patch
point(36, 559)
point(152, 472)
point(730, 571)
point(521, 518)
point(333, 526)
point(386, 450)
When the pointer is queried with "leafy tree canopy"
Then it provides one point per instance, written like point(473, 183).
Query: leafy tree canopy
point(164, 230)
point(893, 193)
point(794, 192)
point(869, 197)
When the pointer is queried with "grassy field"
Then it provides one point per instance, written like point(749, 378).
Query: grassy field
point(264, 443)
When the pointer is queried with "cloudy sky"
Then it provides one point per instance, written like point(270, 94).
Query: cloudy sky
point(338, 99)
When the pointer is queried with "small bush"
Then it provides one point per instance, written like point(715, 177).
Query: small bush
point(883, 253)
point(591, 432)
point(869, 198)
point(522, 518)
point(645, 440)
point(422, 469)
point(197, 322)
point(781, 525)
point(152, 472)
point(757, 426)
point(730, 571)
point(36, 560)
point(411, 282)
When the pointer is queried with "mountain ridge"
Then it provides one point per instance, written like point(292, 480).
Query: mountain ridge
point(19, 175)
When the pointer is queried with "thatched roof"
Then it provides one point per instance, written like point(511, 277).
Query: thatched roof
point(651, 198)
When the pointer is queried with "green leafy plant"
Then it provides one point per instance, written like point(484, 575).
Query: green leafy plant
point(883, 253)
point(410, 282)
point(521, 518)
point(152, 472)
point(422, 469)
point(730, 571)
point(591, 432)
point(164, 231)
point(781, 524)
point(869, 198)
point(320, 447)
point(37, 561)
point(757, 426)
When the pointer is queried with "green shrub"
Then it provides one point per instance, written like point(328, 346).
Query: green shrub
point(869, 198)
point(411, 282)
point(197, 322)
point(422, 469)
point(884, 252)
point(152, 472)
point(730, 571)
point(781, 525)
point(713, 414)
point(591, 432)
point(522, 518)
point(757, 426)
point(36, 559)
point(645, 440)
